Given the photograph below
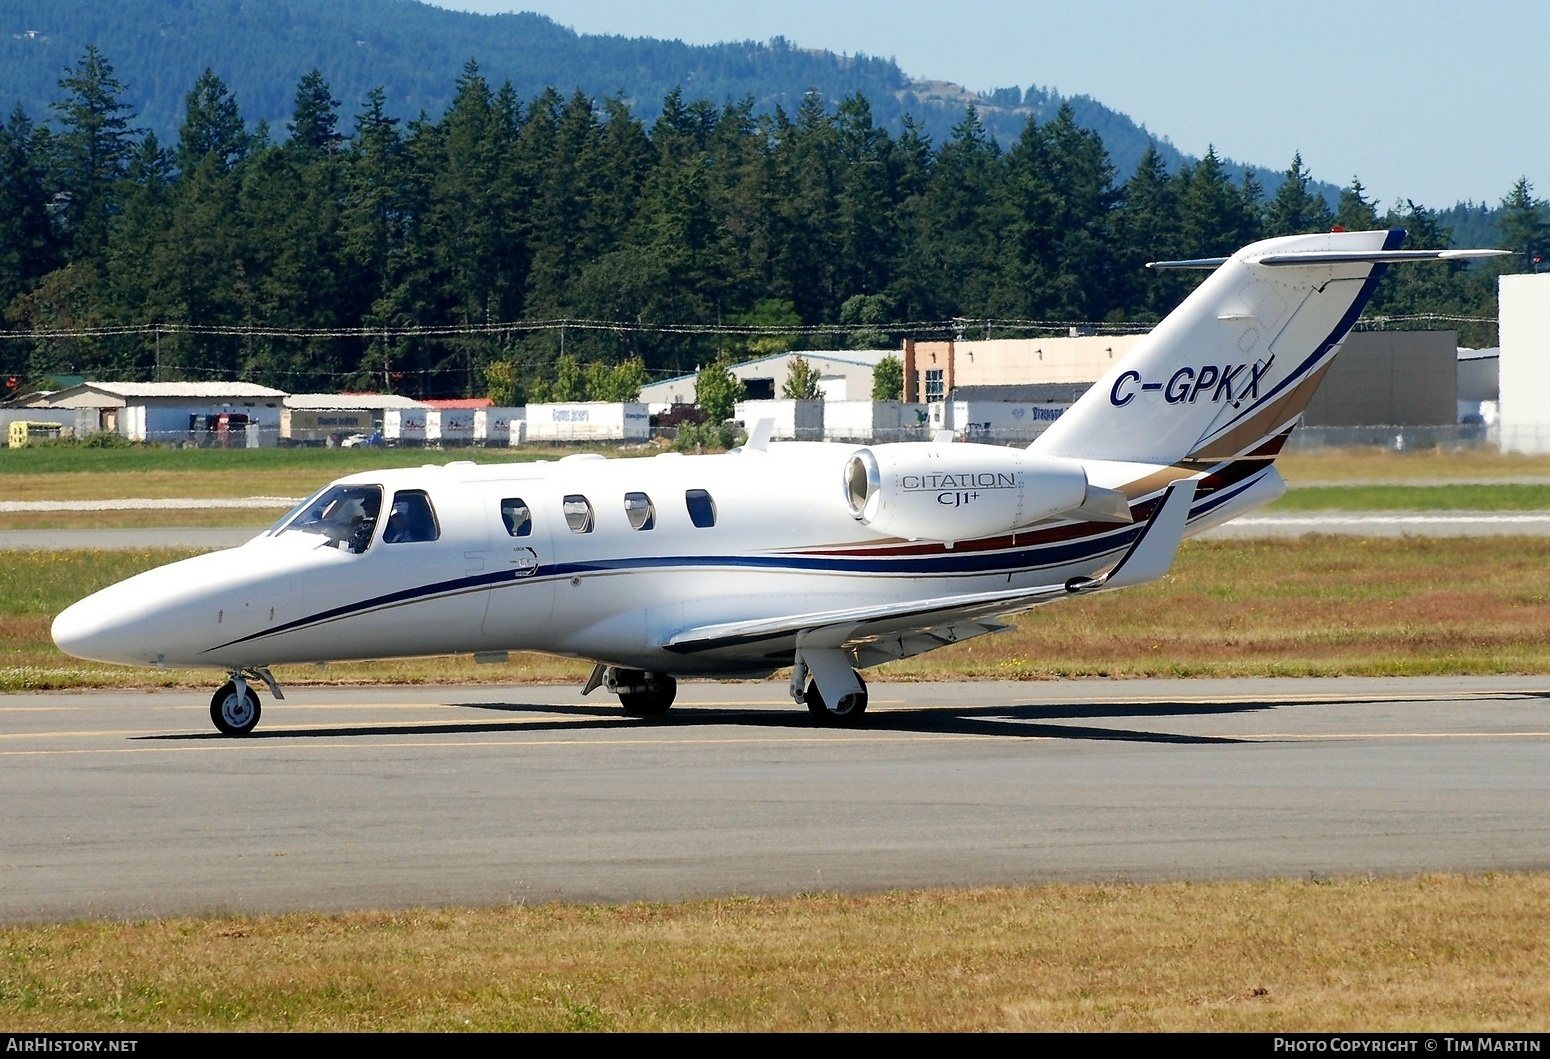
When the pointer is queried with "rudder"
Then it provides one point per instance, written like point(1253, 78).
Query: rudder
point(1228, 372)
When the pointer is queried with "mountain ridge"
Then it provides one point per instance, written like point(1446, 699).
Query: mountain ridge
point(261, 48)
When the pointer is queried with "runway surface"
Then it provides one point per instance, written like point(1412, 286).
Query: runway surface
point(1387, 524)
point(128, 804)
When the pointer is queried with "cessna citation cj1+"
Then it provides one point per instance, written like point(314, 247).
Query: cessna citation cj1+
point(823, 557)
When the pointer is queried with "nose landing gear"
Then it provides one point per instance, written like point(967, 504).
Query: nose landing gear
point(234, 709)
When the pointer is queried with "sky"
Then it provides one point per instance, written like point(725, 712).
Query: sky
point(1432, 100)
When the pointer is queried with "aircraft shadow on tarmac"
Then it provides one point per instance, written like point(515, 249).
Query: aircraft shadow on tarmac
point(1027, 721)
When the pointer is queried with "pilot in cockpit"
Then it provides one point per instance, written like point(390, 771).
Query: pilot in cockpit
point(410, 519)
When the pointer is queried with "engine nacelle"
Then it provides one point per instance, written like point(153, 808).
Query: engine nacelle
point(927, 491)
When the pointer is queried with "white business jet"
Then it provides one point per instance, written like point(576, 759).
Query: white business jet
point(825, 558)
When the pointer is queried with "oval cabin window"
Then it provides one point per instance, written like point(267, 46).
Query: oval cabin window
point(639, 510)
point(578, 513)
point(702, 509)
point(517, 517)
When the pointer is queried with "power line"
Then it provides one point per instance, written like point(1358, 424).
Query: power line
point(433, 331)
point(956, 325)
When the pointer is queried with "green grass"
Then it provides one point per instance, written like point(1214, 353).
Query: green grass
point(323, 463)
point(1415, 498)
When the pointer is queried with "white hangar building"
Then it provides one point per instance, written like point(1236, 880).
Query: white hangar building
point(200, 412)
point(1524, 410)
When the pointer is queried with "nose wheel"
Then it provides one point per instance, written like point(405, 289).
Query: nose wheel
point(235, 710)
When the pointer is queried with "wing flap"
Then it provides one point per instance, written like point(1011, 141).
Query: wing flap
point(880, 620)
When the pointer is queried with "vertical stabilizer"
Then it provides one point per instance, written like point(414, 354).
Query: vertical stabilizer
point(1236, 363)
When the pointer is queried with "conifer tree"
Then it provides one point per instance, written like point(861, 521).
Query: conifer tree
point(1524, 227)
point(1147, 229)
point(212, 127)
point(91, 151)
point(26, 233)
point(1355, 213)
point(1295, 210)
point(314, 124)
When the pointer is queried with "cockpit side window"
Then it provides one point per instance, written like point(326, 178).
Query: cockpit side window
point(578, 513)
point(517, 517)
point(345, 514)
point(702, 509)
point(411, 520)
point(640, 511)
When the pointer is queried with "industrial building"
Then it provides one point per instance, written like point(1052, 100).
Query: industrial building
point(843, 375)
point(932, 370)
point(227, 414)
point(1011, 389)
point(1524, 411)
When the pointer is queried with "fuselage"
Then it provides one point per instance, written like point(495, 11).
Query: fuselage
point(602, 559)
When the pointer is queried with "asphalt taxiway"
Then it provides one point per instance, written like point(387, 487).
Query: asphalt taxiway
point(129, 804)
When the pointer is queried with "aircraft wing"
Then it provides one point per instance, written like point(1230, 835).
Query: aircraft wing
point(898, 630)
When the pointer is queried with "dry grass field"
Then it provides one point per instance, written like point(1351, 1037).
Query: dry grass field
point(1440, 953)
point(1335, 466)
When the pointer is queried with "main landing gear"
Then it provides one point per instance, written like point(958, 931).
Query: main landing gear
point(834, 693)
point(234, 709)
point(641, 694)
point(847, 710)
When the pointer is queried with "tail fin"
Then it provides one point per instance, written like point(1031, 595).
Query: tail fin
point(1229, 371)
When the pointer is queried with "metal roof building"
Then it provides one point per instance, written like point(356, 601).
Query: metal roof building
point(844, 374)
point(220, 413)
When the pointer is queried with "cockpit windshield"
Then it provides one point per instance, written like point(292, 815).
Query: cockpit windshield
point(345, 514)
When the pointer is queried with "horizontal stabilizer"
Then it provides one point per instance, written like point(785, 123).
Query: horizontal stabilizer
point(1388, 257)
point(1335, 257)
point(1193, 262)
point(1151, 554)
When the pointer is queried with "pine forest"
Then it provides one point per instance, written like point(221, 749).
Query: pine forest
point(520, 246)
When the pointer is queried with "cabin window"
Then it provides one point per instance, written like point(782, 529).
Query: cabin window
point(345, 514)
point(578, 513)
point(639, 510)
point(516, 516)
point(411, 520)
point(702, 509)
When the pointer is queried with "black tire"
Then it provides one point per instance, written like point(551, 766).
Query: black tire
point(232, 716)
point(850, 714)
point(654, 701)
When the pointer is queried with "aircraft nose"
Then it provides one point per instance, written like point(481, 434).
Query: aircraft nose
point(95, 629)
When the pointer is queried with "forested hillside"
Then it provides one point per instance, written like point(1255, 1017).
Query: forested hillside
point(437, 256)
point(414, 53)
